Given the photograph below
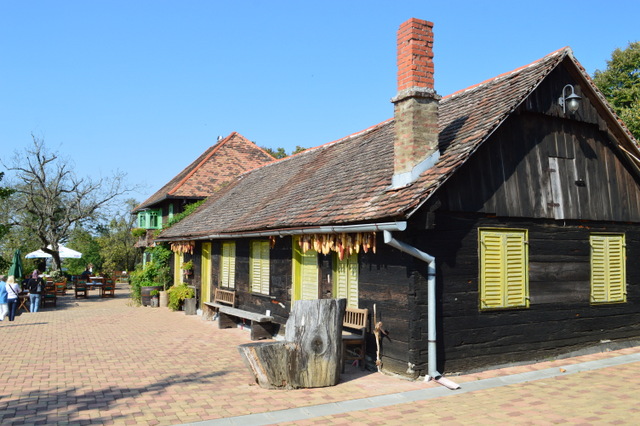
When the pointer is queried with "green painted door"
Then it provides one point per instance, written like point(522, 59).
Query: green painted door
point(305, 273)
point(205, 274)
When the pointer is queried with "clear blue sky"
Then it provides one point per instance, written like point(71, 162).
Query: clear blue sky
point(145, 86)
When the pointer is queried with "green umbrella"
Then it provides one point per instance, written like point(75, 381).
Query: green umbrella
point(16, 266)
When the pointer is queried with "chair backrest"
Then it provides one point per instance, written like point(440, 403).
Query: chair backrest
point(225, 296)
point(356, 319)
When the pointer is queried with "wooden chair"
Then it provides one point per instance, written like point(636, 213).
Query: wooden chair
point(80, 289)
point(109, 288)
point(354, 327)
point(61, 288)
point(49, 296)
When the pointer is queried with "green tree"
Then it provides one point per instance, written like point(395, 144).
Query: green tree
point(620, 83)
point(117, 244)
point(84, 241)
point(280, 152)
point(50, 200)
point(4, 227)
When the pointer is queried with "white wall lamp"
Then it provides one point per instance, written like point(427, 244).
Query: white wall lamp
point(571, 102)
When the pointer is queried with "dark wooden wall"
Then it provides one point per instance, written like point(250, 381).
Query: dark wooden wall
point(560, 317)
point(542, 164)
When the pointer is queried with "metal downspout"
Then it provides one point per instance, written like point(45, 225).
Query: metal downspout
point(431, 307)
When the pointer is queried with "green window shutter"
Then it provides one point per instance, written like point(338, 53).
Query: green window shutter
point(142, 223)
point(608, 275)
point(170, 211)
point(259, 267)
point(503, 269)
point(228, 265)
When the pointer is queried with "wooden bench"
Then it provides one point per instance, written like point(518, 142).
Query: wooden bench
point(354, 326)
point(224, 305)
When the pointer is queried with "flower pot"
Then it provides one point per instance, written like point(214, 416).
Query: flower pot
point(145, 294)
point(164, 299)
point(155, 301)
point(189, 306)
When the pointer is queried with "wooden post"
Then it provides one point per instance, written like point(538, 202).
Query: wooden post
point(311, 353)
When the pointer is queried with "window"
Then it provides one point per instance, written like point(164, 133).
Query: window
point(150, 219)
point(228, 265)
point(608, 275)
point(259, 267)
point(345, 281)
point(504, 265)
point(170, 215)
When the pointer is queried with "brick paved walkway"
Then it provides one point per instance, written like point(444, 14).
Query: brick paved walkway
point(102, 361)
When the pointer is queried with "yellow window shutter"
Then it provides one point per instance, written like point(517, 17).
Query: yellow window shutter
point(341, 279)
point(228, 262)
point(608, 276)
point(503, 269)
point(516, 269)
point(346, 279)
point(309, 264)
point(353, 280)
point(264, 267)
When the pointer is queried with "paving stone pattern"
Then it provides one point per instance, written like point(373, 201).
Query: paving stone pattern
point(103, 361)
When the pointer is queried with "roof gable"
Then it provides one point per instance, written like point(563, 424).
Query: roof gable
point(216, 166)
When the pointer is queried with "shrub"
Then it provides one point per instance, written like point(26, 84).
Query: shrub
point(177, 294)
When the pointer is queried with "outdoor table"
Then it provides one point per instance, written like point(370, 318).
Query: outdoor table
point(24, 301)
point(94, 282)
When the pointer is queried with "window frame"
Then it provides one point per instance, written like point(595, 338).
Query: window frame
point(144, 219)
point(602, 293)
point(503, 279)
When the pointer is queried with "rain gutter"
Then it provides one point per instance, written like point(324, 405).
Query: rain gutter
point(330, 229)
point(432, 372)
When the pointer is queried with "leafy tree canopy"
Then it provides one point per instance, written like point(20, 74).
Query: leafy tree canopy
point(620, 83)
point(50, 200)
point(280, 152)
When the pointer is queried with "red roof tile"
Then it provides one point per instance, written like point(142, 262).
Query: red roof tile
point(218, 165)
point(348, 181)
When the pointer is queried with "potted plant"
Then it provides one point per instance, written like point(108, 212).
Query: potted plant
point(182, 294)
point(187, 268)
point(155, 298)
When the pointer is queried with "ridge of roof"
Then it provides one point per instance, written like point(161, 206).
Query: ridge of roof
point(563, 50)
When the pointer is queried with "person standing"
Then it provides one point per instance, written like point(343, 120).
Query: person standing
point(4, 307)
point(13, 289)
point(36, 287)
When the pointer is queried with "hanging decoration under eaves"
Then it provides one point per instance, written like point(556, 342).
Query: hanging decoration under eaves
point(343, 244)
point(183, 247)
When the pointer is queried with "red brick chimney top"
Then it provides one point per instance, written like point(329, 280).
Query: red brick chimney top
point(415, 55)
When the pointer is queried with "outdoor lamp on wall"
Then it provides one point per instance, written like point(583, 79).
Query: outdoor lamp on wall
point(571, 102)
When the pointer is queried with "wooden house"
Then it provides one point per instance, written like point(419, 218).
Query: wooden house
point(493, 225)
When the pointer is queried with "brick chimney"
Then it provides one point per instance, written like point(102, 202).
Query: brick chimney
point(416, 104)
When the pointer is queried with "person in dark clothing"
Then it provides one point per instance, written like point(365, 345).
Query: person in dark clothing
point(36, 288)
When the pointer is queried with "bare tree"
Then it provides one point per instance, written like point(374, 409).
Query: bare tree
point(49, 199)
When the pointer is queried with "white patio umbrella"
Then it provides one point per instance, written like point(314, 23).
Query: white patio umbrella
point(65, 253)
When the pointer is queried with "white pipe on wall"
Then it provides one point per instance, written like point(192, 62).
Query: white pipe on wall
point(431, 307)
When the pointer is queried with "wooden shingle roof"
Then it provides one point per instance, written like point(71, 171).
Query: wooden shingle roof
point(216, 166)
point(348, 181)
